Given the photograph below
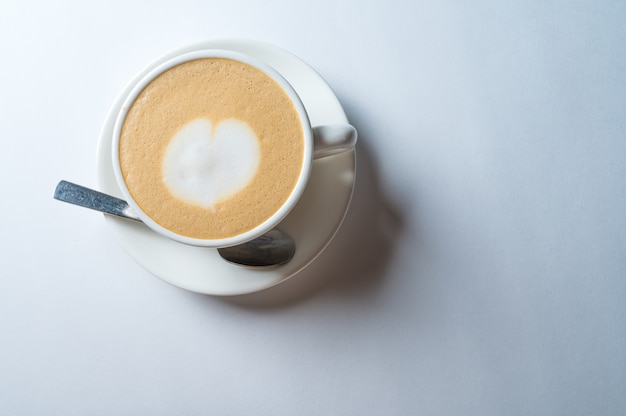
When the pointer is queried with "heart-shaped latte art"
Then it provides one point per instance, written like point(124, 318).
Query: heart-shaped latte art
point(205, 164)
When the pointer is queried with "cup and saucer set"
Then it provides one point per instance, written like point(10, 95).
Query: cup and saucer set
point(311, 223)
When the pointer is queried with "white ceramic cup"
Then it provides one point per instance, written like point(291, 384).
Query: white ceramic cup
point(319, 141)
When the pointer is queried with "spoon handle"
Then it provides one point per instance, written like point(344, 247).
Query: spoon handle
point(88, 198)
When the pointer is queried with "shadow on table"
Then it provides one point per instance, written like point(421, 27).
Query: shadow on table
point(354, 264)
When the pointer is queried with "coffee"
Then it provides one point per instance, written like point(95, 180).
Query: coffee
point(211, 148)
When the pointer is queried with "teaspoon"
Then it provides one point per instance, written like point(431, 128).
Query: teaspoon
point(271, 249)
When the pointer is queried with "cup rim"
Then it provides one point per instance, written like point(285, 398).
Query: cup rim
point(297, 190)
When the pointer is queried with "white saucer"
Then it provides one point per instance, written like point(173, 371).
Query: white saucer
point(312, 223)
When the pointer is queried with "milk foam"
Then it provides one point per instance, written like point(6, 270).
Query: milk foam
point(205, 164)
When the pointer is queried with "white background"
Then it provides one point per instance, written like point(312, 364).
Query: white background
point(481, 269)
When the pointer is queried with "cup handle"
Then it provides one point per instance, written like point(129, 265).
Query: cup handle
point(329, 140)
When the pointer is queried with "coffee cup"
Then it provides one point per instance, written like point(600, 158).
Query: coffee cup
point(214, 148)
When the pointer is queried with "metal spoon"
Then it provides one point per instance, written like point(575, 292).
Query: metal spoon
point(271, 249)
